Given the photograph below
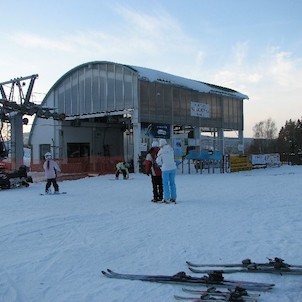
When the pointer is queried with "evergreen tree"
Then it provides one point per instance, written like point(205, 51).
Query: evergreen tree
point(289, 142)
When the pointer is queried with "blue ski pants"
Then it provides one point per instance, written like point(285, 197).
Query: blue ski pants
point(169, 184)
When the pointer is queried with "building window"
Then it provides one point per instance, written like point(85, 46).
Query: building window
point(43, 149)
point(76, 150)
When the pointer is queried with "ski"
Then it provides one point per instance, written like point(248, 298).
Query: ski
point(214, 292)
point(263, 270)
point(53, 193)
point(276, 262)
point(164, 202)
point(204, 299)
point(209, 298)
point(182, 278)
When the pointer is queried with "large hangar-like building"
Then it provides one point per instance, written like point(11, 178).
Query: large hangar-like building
point(114, 111)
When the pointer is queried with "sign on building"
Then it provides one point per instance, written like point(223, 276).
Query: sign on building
point(153, 130)
point(200, 109)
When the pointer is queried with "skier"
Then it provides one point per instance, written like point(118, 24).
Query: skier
point(122, 167)
point(156, 176)
point(165, 159)
point(51, 169)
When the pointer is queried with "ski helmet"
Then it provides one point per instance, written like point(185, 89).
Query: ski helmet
point(48, 155)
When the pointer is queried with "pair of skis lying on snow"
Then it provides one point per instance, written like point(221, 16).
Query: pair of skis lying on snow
point(212, 294)
point(182, 278)
point(274, 266)
point(237, 289)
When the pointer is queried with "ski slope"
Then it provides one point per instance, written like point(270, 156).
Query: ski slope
point(53, 248)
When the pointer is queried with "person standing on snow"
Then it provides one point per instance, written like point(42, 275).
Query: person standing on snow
point(165, 159)
point(155, 171)
point(51, 169)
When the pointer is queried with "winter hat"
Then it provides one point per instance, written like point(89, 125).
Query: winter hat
point(48, 155)
point(162, 142)
point(154, 144)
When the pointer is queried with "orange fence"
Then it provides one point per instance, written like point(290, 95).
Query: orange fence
point(98, 164)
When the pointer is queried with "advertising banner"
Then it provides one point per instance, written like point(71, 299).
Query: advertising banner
point(269, 160)
point(152, 130)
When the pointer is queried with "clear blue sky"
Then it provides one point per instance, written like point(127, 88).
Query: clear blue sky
point(254, 47)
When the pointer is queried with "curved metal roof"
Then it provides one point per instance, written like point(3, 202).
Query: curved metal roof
point(71, 71)
point(153, 75)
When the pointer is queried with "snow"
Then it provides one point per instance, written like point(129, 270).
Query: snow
point(53, 248)
point(163, 77)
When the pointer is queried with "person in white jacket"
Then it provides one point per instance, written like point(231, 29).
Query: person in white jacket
point(165, 159)
point(51, 169)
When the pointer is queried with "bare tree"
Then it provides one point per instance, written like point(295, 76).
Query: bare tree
point(265, 133)
point(265, 129)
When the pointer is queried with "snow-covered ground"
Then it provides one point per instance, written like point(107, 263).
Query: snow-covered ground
point(53, 248)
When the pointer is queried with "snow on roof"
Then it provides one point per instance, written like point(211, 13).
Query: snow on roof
point(152, 75)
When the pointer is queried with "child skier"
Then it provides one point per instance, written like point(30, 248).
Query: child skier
point(122, 167)
point(51, 169)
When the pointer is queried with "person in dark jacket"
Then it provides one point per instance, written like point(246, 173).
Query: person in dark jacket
point(154, 170)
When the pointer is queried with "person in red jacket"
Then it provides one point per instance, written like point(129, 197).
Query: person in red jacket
point(155, 171)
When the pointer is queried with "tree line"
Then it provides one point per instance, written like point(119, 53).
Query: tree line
point(288, 142)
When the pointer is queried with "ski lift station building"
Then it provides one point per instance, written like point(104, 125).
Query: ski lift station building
point(115, 111)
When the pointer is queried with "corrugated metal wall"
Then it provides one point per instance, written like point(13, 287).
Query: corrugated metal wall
point(96, 88)
point(163, 103)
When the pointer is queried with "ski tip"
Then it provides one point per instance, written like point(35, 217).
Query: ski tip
point(107, 273)
point(189, 263)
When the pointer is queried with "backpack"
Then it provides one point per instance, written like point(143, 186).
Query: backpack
point(154, 163)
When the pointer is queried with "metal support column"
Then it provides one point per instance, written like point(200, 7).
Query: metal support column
point(17, 152)
point(136, 140)
point(220, 140)
point(197, 136)
point(241, 141)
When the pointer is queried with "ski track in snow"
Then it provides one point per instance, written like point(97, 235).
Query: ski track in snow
point(53, 248)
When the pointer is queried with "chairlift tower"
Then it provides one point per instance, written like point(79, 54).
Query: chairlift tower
point(12, 111)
